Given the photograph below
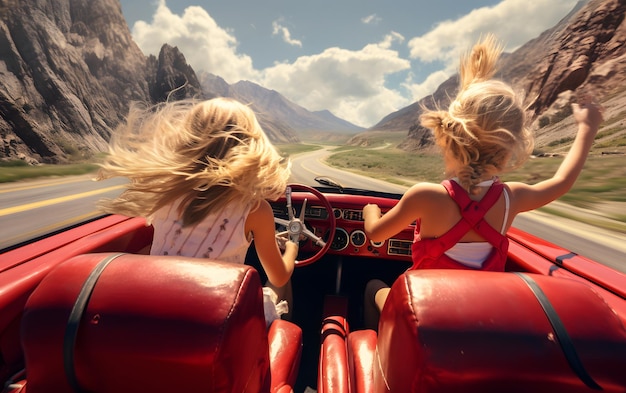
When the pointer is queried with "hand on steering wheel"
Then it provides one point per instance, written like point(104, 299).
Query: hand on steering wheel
point(296, 228)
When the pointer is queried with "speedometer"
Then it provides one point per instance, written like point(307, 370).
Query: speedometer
point(340, 241)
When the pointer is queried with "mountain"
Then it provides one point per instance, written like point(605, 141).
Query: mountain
point(70, 69)
point(62, 87)
point(275, 128)
point(276, 106)
point(583, 52)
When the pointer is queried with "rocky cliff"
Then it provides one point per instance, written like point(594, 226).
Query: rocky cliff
point(68, 71)
point(585, 51)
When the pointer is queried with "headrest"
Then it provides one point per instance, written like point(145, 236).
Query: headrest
point(469, 331)
point(150, 324)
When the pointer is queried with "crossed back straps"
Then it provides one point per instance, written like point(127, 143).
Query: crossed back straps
point(430, 253)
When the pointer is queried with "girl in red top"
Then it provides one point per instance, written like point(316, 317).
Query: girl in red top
point(462, 222)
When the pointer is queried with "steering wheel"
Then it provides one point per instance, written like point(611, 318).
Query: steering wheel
point(295, 225)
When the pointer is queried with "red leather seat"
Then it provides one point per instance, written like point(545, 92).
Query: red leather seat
point(460, 331)
point(157, 324)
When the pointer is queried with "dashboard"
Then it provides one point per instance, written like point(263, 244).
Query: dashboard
point(350, 238)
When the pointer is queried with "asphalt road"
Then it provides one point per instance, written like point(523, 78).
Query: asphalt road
point(34, 208)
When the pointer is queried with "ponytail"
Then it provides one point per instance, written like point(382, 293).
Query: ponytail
point(484, 131)
point(480, 64)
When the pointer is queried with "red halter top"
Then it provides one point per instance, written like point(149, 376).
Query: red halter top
point(430, 253)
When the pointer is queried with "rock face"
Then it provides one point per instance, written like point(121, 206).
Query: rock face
point(584, 52)
point(68, 72)
point(172, 78)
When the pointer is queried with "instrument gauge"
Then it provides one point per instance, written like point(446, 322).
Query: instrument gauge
point(358, 238)
point(340, 241)
point(377, 244)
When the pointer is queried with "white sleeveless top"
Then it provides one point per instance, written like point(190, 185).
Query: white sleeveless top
point(220, 236)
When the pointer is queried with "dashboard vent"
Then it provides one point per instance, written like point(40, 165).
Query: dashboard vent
point(353, 215)
point(280, 212)
point(316, 212)
point(399, 247)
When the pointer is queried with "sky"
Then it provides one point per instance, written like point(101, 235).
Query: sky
point(359, 59)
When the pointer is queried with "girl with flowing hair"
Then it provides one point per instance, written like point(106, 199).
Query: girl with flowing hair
point(201, 173)
point(462, 222)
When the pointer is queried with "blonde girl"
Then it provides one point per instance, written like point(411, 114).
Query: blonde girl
point(462, 222)
point(202, 172)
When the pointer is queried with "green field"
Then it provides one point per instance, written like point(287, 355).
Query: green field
point(14, 171)
point(601, 187)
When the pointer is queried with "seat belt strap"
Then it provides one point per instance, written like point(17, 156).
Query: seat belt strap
point(563, 338)
point(73, 322)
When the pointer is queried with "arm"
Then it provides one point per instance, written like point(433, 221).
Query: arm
point(529, 197)
point(380, 227)
point(277, 267)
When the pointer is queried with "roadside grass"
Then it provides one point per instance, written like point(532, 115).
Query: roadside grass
point(10, 172)
point(602, 182)
point(390, 164)
point(291, 149)
point(16, 170)
point(603, 179)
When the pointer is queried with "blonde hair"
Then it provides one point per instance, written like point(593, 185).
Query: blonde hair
point(205, 153)
point(484, 129)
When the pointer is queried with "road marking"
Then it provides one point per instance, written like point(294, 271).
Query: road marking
point(11, 241)
point(38, 183)
point(35, 205)
point(306, 168)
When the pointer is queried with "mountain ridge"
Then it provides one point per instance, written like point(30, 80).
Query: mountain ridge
point(71, 68)
point(583, 52)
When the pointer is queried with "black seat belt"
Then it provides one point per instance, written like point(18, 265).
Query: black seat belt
point(73, 322)
point(563, 338)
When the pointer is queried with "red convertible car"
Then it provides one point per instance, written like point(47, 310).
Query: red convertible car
point(87, 310)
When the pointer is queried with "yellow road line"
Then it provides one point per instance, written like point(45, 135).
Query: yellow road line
point(47, 229)
point(35, 205)
point(38, 183)
point(306, 168)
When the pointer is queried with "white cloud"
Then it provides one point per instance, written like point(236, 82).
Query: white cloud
point(428, 86)
point(514, 22)
point(371, 19)
point(351, 84)
point(205, 45)
point(390, 39)
point(278, 29)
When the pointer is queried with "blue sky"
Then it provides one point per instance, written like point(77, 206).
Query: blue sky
point(360, 59)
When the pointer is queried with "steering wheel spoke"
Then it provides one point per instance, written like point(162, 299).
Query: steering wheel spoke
point(295, 227)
